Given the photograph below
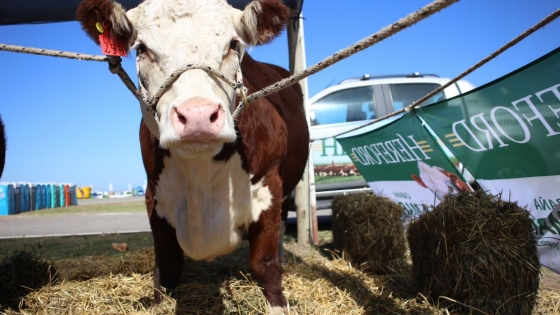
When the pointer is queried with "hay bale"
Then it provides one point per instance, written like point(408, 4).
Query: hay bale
point(478, 250)
point(368, 229)
point(20, 273)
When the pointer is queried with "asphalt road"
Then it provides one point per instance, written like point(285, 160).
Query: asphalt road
point(14, 226)
point(72, 224)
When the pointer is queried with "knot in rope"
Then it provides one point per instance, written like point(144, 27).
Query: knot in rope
point(152, 101)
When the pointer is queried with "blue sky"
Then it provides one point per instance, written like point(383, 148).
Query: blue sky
point(71, 121)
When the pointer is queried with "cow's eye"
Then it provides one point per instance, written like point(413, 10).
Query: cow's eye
point(141, 49)
point(234, 44)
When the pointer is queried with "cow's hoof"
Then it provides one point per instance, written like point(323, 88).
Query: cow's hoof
point(279, 310)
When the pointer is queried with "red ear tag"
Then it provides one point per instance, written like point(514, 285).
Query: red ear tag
point(110, 46)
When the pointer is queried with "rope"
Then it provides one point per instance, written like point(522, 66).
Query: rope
point(384, 33)
point(114, 62)
point(52, 53)
point(554, 15)
point(153, 100)
point(116, 68)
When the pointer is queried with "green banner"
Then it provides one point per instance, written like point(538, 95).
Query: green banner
point(403, 161)
point(509, 128)
point(507, 134)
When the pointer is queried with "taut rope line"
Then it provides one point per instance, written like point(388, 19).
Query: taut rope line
point(52, 53)
point(115, 66)
point(114, 62)
point(384, 33)
point(554, 15)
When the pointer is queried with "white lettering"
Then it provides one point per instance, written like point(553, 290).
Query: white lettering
point(553, 89)
point(462, 122)
point(359, 156)
point(488, 131)
point(408, 157)
point(385, 155)
point(376, 153)
point(538, 115)
point(415, 146)
point(391, 148)
point(519, 120)
point(366, 155)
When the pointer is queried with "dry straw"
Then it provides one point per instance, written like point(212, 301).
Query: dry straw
point(368, 230)
point(476, 253)
point(315, 283)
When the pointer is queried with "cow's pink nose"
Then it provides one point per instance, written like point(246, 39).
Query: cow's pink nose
point(198, 119)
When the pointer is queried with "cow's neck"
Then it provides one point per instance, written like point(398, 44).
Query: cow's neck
point(197, 197)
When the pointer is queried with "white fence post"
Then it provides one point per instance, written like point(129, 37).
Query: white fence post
point(305, 191)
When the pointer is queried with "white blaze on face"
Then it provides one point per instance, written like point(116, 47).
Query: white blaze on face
point(435, 180)
point(195, 111)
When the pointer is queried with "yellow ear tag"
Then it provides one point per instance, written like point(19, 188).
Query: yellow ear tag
point(99, 27)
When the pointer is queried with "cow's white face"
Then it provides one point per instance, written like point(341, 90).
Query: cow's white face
point(195, 112)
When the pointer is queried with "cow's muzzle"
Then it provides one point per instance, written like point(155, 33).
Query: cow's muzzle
point(152, 101)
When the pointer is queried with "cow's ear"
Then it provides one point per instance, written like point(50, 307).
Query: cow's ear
point(261, 21)
point(459, 184)
point(110, 15)
point(418, 180)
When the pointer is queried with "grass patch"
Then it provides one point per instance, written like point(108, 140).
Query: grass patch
point(73, 247)
point(67, 247)
point(137, 206)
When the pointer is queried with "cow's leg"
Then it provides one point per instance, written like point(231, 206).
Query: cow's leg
point(264, 240)
point(169, 257)
point(281, 241)
point(284, 218)
point(168, 252)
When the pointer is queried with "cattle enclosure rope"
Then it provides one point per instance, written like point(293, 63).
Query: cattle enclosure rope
point(554, 15)
point(384, 33)
point(411, 19)
point(114, 62)
point(52, 53)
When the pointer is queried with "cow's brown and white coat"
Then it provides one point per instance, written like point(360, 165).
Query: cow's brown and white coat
point(210, 178)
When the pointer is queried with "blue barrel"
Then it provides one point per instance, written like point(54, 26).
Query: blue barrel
point(56, 196)
point(4, 200)
point(24, 197)
point(53, 196)
point(43, 196)
point(61, 196)
point(33, 197)
point(17, 193)
point(43, 201)
point(21, 197)
point(12, 198)
point(38, 197)
point(74, 197)
point(48, 196)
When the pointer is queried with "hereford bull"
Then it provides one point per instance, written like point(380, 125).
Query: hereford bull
point(211, 178)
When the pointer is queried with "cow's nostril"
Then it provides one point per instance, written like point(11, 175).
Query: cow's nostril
point(180, 117)
point(214, 116)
